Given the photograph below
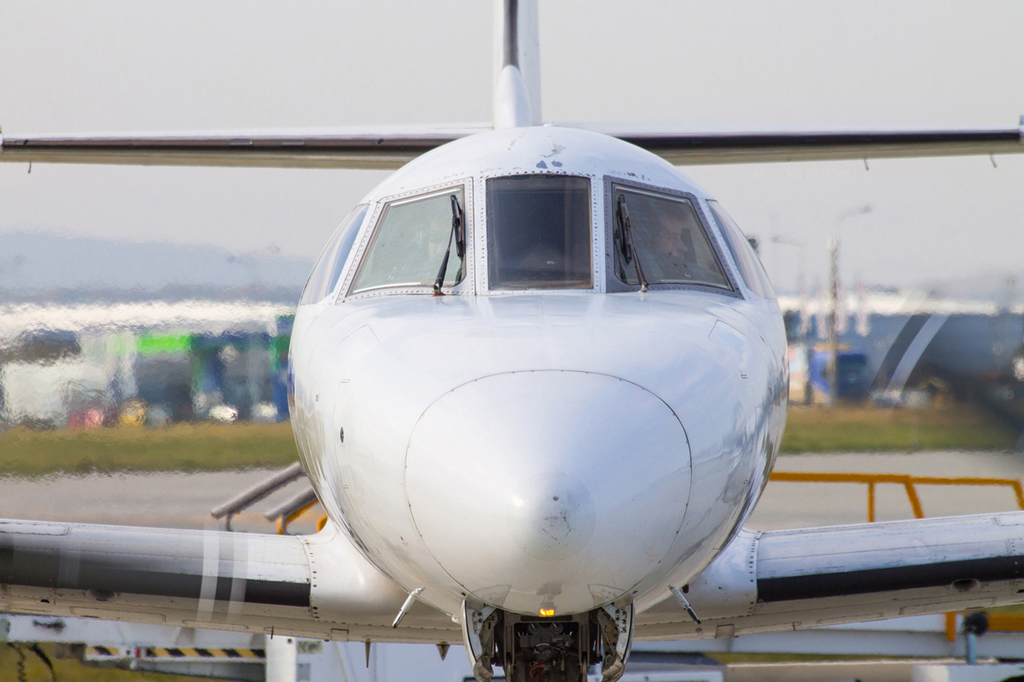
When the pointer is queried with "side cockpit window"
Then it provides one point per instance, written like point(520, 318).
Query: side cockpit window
point(409, 244)
point(539, 233)
point(328, 267)
point(743, 253)
point(659, 239)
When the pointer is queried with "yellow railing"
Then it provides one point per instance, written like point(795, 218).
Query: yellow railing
point(908, 482)
point(997, 622)
point(282, 523)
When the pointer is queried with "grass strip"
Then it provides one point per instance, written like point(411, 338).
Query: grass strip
point(219, 447)
point(181, 447)
point(866, 429)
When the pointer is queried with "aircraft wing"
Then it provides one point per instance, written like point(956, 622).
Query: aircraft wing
point(316, 586)
point(358, 148)
point(787, 580)
point(687, 146)
point(391, 147)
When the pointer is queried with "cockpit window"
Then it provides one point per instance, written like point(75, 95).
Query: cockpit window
point(743, 253)
point(409, 244)
point(328, 267)
point(665, 235)
point(539, 233)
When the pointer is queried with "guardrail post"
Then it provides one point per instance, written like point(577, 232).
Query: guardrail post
point(915, 503)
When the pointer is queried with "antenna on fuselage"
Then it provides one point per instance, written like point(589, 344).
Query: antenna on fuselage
point(516, 64)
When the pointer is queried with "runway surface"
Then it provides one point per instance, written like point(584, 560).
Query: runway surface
point(185, 500)
point(170, 500)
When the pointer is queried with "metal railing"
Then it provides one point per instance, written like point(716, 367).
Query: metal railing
point(908, 482)
point(293, 508)
point(284, 513)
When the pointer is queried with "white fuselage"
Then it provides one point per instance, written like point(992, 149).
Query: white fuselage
point(537, 450)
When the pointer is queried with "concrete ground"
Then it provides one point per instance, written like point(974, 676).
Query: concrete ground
point(170, 500)
point(184, 500)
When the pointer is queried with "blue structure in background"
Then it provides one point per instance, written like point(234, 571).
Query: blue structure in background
point(852, 376)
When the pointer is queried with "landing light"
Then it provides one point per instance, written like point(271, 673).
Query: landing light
point(547, 613)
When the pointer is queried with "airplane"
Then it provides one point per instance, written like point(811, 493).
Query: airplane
point(538, 382)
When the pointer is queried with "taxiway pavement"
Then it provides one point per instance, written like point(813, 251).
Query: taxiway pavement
point(185, 500)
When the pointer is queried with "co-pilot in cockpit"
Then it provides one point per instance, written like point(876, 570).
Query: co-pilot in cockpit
point(659, 240)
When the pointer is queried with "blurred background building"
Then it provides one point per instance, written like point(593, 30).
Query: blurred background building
point(910, 348)
point(96, 332)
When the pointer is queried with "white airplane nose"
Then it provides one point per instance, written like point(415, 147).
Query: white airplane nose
point(552, 516)
point(570, 461)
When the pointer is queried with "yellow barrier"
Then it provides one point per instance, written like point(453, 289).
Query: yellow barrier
point(996, 622)
point(908, 482)
point(282, 523)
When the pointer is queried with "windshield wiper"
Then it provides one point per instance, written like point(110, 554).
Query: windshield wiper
point(458, 234)
point(628, 249)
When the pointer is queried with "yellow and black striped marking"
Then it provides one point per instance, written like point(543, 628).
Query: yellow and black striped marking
point(94, 652)
point(160, 652)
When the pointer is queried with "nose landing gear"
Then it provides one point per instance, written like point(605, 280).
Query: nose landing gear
point(548, 649)
point(543, 649)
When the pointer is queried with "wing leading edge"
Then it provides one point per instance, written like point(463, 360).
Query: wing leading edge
point(691, 146)
point(787, 580)
point(315, 586)
point(391, 147)
point(384, 148)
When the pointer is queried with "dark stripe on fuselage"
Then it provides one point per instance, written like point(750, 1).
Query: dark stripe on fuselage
point(35, 567)
point(846, 583)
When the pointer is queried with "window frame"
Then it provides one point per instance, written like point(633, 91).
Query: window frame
point(466, 286)
point(758, 263)
point(329, 296)
point(595, 238)
point(614, 285)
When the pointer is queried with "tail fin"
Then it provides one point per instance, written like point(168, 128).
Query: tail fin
point(516, 64)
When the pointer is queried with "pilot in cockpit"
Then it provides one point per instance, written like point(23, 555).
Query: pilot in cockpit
point(671, 258)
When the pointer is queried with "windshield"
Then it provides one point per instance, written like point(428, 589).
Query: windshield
point(328, 267)
point(538, 233)
point(667, 238)
point(743, 253)
point(409, 244)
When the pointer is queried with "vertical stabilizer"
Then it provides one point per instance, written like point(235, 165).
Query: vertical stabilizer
point(516, 64)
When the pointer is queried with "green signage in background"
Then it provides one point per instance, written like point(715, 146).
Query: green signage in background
point(151, 344)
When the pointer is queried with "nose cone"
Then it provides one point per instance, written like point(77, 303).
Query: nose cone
point(552, 517)
point(541, 490)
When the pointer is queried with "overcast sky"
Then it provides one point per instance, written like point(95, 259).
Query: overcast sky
point(139, 66)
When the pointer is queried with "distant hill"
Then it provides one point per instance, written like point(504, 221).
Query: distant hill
point(36, 266)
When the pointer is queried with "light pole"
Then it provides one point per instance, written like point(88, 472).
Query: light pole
point(800, 284)
point(833, 274)
point(804, 326)
point(788, 241)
